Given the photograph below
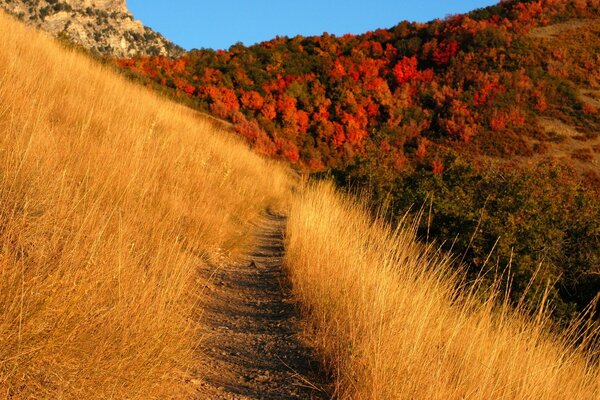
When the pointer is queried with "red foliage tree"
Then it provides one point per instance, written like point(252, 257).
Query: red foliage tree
point(445, 52)
point(406, 70)
point(252, 100)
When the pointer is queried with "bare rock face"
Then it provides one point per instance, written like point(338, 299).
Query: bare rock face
point(107, 5)
point(105, 27)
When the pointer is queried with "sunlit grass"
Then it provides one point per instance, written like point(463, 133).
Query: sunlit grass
point(386, 315)
point(109, 199)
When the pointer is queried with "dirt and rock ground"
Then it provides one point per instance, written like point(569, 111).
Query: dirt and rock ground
point(251, 347)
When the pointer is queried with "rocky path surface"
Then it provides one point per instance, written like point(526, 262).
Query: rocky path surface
point(251, 348)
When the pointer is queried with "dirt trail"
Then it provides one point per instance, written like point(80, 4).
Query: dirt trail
point(251, 348)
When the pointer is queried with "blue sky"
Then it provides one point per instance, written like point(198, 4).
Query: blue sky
point(219, 24)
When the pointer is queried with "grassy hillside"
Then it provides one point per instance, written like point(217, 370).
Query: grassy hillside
point(474, 115)
point(388, 318)
point(110, 198)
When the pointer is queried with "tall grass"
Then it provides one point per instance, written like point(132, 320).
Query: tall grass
point(391, 323)
point(109, 199)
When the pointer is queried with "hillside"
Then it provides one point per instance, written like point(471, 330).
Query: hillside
point(105, 27)
point(141, 252)
point(394, 320)
point(111, 200)
point(490, 119)
point(475, 83)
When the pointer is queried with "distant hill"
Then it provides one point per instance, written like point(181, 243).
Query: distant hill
point(105, 27)
point(491, 118)
point(492, 82)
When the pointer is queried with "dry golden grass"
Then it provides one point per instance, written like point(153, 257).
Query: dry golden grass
point(390, 323)
point(551, 31)
point(109, 199)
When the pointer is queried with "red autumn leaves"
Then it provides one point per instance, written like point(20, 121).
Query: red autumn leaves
point(325, 100)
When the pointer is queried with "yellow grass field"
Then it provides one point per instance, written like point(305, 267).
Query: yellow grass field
point(390, 323)
point(109, 199)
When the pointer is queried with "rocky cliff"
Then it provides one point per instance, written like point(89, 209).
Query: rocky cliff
point(103, 26)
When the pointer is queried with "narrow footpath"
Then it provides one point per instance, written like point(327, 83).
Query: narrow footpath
point(251, 348)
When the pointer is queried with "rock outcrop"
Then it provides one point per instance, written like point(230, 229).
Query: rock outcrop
point(105, 27)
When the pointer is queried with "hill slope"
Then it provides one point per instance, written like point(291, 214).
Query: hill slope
point(475, 83)
point(490, 118)
point(110, 200)
point(388, 317)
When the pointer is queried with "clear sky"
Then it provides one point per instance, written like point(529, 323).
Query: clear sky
point(218, 24)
